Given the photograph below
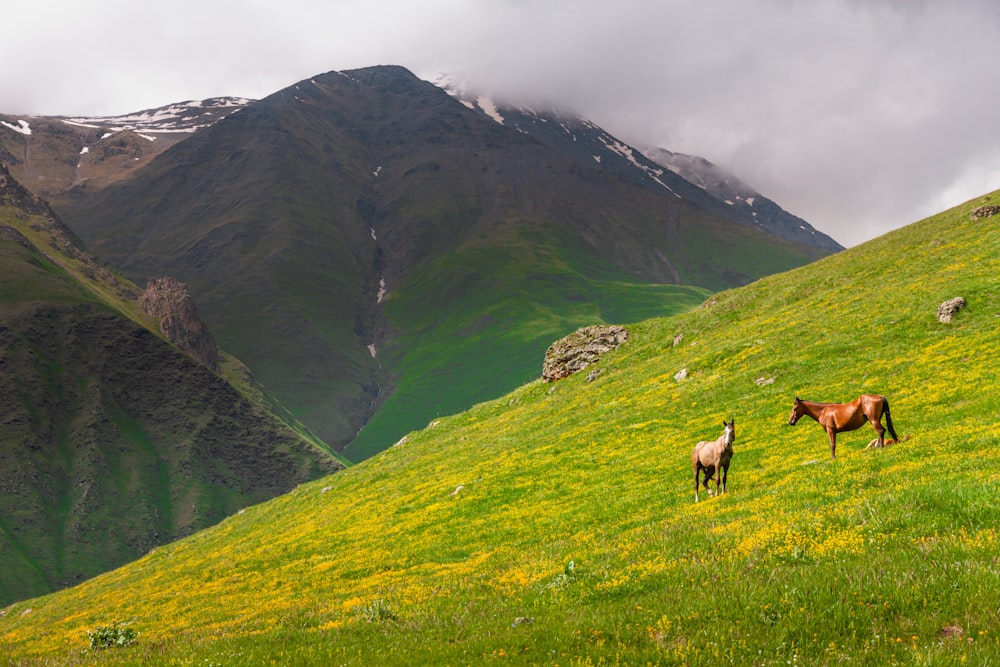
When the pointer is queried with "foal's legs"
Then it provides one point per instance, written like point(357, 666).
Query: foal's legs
point(698, 470)
point(725, 476)
point(707, 472)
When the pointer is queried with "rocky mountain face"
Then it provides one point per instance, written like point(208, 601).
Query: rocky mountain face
point(18, 197)
point(692, 178)
point(169, 301)
point(379, 253)
point(111, 441)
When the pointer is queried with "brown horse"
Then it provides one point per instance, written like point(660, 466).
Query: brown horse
point(839, 417)
point(713, 457)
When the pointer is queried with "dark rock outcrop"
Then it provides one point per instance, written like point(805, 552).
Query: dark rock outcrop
point(169, 300)
point(984, 212)
point(16, 195)
point(580, 349)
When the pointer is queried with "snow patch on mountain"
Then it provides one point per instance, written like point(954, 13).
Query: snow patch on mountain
point(22, 127)
point(185, 117)
point(489, 108)
point(627, 152)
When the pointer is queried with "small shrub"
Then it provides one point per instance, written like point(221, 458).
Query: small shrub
point(376, 610)
point(116, 635)
point(565, 578)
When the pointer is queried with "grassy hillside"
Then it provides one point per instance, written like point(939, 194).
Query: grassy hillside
point(556, 525)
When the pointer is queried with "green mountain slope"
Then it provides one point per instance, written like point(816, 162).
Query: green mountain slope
point(111, 440)
point(285, 218)
point(556, 525)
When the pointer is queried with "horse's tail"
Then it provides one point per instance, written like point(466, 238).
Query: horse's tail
point(888, 418)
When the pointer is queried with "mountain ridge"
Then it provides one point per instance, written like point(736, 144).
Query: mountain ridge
point(192, 115)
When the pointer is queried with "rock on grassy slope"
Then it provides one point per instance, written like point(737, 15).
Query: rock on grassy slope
point(556, 525)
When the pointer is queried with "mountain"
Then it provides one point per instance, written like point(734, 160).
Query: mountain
point(691, 177)
point(379, 254)
point(741, 197)
point(49, 155)
point(112, 441)
point(557, 524)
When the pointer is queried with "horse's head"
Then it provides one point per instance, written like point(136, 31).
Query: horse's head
point(730, 431)
point(798, 409)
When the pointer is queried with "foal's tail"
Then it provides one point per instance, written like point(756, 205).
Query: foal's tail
point(888, 418)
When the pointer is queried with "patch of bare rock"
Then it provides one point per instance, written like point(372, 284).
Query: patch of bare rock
point(168, 300)
point(580, 349)
point(984, 212)
point(948, 309)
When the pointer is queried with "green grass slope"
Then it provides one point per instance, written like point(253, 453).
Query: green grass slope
point(556, 525)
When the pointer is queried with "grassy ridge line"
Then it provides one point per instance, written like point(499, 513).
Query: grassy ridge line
point(82, 270)
point(879, 557)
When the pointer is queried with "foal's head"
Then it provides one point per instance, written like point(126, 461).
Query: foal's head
point(730, 431)
point(798, 409)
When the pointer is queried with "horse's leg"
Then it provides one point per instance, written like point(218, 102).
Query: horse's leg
point(877, 425)
point(888, 420)
point(703, 473)
point(725, 478)
point(833, 442)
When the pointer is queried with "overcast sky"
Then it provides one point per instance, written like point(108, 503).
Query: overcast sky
point(858, 115)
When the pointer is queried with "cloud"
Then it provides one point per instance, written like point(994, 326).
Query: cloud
point(858, 116)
